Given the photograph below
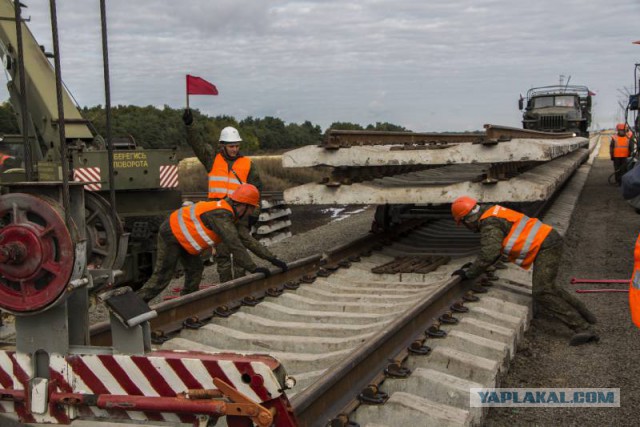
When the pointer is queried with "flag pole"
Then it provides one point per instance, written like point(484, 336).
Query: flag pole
point(187, 90)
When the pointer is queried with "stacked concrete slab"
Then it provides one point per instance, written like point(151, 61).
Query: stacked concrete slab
point(504, 164)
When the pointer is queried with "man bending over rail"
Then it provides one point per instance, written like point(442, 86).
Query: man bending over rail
point(196, 227)
point(525, 241)
point(227, 169)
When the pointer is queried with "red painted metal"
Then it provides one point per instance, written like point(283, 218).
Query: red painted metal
point(575, 280)
point(143, 403)
point(38, 253)
point(156, 385)
point(599, 291)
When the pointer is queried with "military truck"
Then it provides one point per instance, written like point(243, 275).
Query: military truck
point(560, 108)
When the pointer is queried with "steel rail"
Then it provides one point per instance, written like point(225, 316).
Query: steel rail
point(200, 305)
point(337, 138)
point(335, 391)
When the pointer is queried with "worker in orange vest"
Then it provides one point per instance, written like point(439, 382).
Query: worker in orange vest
point(227, 169)
point(526, 242)
point(620, 150)
point(199, 226)
point(634, 286)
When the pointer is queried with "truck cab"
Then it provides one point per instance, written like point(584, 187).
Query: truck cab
point(557, 109)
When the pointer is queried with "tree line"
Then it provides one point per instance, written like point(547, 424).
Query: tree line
point(152, 127)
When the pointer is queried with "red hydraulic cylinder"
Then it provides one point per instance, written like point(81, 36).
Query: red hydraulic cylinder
point(599, 291)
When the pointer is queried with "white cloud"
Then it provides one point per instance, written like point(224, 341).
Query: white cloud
point(427, 66)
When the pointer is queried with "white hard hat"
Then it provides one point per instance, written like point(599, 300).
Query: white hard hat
point(230, 134)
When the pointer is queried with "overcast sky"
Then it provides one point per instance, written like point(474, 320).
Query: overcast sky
point(424, 64)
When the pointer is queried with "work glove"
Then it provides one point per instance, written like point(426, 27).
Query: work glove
point(262, 270)
point(279, 263)
point(187, 117)
point(460, 272)
point(253, 220)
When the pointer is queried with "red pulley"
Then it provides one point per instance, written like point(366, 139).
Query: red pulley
point(37, 253)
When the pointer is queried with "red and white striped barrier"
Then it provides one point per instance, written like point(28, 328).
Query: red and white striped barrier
point(112, 386)
point(169, 176)
point(90, 175)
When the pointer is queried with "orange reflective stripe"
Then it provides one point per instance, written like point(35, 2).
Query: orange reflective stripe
point(189, 229)
point(525, 236)
point(222, 180)
point(634, 286)
point(621, 146)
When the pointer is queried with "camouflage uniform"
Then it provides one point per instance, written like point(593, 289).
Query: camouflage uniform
point(546, 295)
point(169, 251)
point(206, 154)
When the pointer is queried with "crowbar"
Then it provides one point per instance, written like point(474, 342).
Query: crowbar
point(575, 280)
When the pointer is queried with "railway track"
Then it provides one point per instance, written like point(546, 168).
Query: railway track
point(376, 331)
point(340, 329)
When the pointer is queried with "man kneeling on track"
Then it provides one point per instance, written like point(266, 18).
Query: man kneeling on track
point(192, 229)
point(525, 241)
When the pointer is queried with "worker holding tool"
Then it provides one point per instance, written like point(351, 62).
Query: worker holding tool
point(620, 150)
point(193, 228)
point(525, 241)
point(227, 170)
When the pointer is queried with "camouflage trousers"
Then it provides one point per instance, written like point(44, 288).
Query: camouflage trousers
point(169, 252)
point(227, 270)
point(620, 168)
point(555, 300)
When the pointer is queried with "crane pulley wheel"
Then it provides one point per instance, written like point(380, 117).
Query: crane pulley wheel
point(37, 253)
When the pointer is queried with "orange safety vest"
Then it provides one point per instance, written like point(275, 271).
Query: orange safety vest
point(634, 286)
point(525, 236)
point(222, 180)
point(621, 146)
point(189, 229)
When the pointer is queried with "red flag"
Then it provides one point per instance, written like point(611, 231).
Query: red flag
point(199, 86)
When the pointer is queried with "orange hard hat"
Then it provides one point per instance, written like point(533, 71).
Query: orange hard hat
point(247, 194)
point(462, 206)
point(621, 126)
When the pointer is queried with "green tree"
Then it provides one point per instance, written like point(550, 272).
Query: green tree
point(8, 121)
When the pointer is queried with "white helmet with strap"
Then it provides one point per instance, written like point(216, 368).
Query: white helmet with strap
point(230, 135)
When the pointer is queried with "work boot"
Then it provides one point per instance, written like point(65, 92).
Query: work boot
point(588, 316)
point(583, 337)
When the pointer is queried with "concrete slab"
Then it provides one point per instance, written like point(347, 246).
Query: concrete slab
point(516, 150)
point(299, 302)
point(223, 337)
point(404, 409)
point(295, 364)
point(253, 324)
point(436, 386)
point(458, 363)
point(273, 310)
point(367, 296)
point(418, 187)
